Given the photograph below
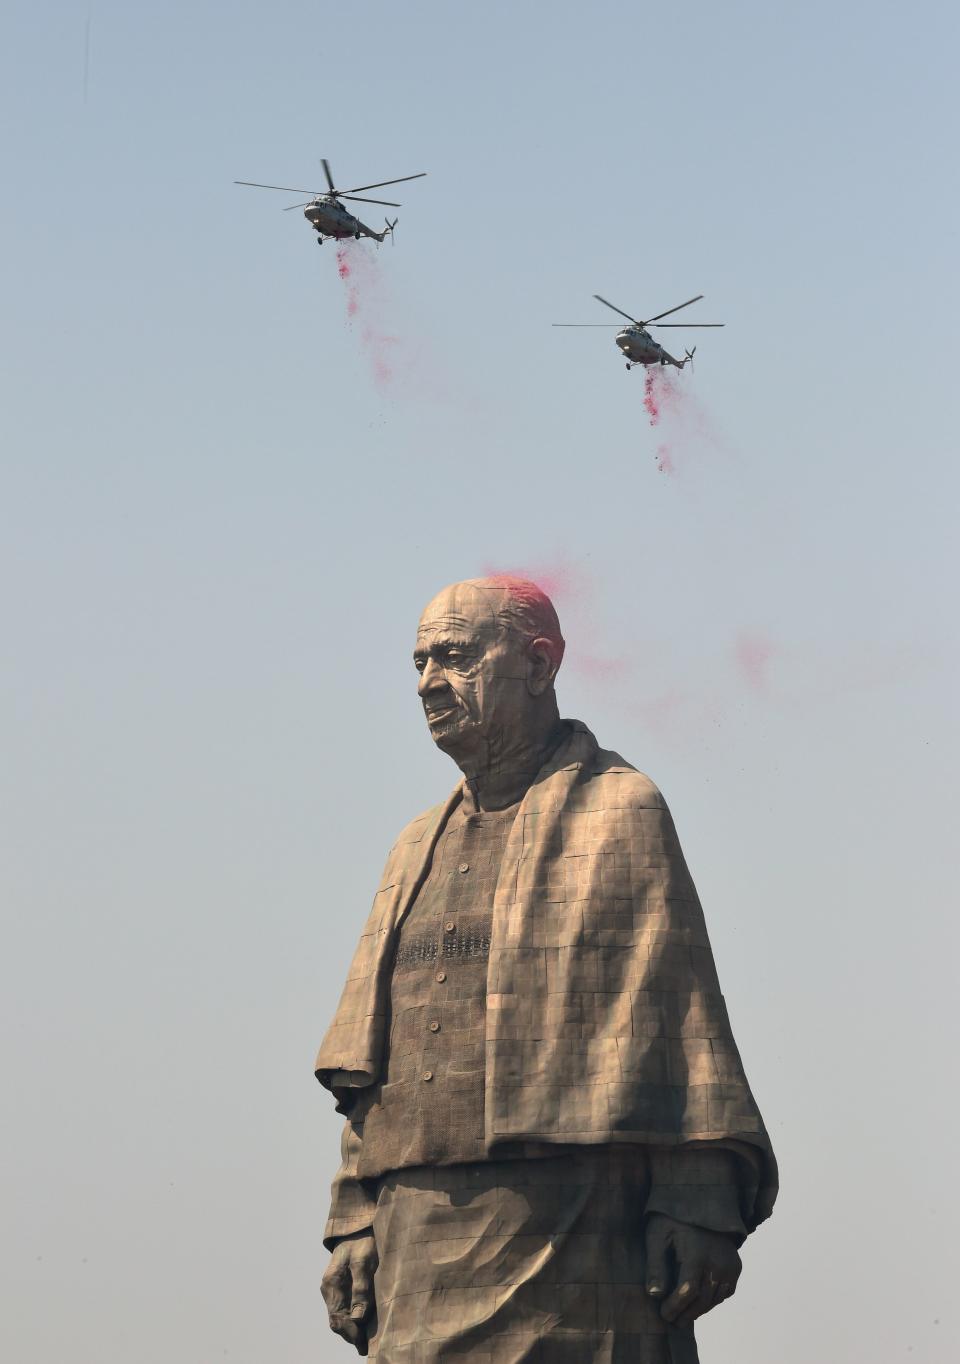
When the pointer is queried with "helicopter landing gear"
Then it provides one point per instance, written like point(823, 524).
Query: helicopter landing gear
point(357, 236)
point(629, 366)
point(319, 240)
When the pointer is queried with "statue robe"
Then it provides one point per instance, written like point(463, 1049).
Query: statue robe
point(605, 1023)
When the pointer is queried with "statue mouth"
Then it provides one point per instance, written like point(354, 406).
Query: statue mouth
point(440, 714)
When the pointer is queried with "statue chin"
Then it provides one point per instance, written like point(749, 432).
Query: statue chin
point(449, 730)
point(452, 741)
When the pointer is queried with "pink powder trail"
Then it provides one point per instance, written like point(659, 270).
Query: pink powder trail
point(665, 460)
point(754, 653)
point(360, 271)
point(557, 580)
point(403, 365)
point(569, 587)
point(686, 429)
point(650, 397)
point(661, 396)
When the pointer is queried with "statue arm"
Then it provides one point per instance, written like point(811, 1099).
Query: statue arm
point(347, 1285)
point(352, 1202)
point(702, 1184)
point(695, 1224)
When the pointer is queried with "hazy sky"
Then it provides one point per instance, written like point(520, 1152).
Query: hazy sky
point(225, 501)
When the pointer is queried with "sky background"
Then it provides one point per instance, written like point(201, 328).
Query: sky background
point(225, 499)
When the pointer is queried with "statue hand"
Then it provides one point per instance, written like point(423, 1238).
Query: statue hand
point(347, 1288)
point(690, 1268)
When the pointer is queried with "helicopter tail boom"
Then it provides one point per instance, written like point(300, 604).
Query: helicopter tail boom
point(667, 359)
point(387, 231)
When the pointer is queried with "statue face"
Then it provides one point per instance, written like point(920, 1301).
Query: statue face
point(474, 673)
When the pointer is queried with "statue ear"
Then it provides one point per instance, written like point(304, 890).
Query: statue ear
point(543, 666)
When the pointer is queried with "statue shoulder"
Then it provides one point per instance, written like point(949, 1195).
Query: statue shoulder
point(419, 827)
point(410, 846)
point(613, 778)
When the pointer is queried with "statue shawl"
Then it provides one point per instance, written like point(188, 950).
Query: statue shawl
point(605, 1022)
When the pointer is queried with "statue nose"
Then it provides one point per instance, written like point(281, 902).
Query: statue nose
point(431, 677)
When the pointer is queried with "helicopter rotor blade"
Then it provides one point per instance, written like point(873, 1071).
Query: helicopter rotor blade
point(674, 310)
point(616, 309)
point(584, 324)
point(686, 324)
point(380, 184)
point(358, 199)
point(292, 206)
point(287, 189)
point(326, 170)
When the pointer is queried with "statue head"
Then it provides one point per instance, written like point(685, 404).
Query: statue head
point(487, 652)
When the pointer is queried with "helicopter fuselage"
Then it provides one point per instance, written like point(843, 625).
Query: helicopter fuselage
point(639, 348)
point(330, 219)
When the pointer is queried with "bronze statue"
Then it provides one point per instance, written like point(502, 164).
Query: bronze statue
point(551, 1152)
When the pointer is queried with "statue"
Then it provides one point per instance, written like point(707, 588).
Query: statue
point(551, 1152)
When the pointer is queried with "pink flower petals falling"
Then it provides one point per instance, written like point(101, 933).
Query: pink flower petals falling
point(359, 269)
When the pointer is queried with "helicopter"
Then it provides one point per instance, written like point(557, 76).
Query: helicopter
point(329, 217)
point(635, 341)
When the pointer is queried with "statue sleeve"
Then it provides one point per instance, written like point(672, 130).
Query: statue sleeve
point(705, 1184)
point(352, 1200)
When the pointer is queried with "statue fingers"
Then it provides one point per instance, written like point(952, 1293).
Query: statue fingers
point(342, 1322)
point(683, 1296)
point(657, 1239)
point(726, 1290)
point(334, 1288)
point(705, 1299)
point(361, 1292)
point(350, 1331)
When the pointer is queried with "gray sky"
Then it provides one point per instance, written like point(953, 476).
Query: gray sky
point(222, 516)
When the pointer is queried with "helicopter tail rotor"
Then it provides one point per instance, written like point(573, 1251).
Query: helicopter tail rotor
point(688, 356)
point(380, 237)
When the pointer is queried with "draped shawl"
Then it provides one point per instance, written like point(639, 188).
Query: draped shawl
point(605, 1022)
